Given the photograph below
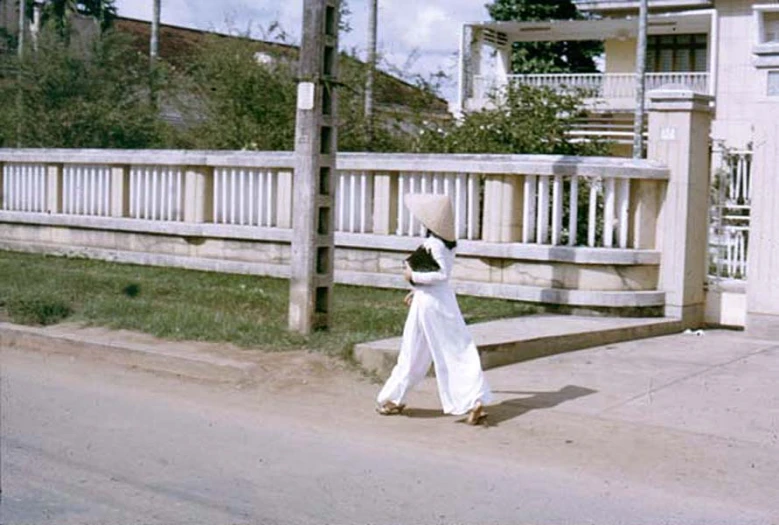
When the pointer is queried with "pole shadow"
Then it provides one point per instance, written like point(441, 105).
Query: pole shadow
point(515, 407)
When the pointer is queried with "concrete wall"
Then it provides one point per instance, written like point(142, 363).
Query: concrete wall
point(599, 279)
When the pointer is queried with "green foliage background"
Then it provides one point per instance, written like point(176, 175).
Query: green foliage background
point(546, 57)
point(101, 93)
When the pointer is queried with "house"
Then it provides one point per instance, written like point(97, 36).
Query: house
point(727, 49)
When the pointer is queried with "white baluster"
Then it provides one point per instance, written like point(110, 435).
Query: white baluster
point(179, 194)
point(352, 225)
point(557, 209)
point(252, 220)
point(215, 197)
point(91, 190)
point(529, 209)
point(15, 184)
point(22, 184)
point(156, 195)
point(43, 194)
point(242, 186)
point(592, 216)
point(270, 196)
point(460, 182)
point(365, 211)
point(609, 204)
point(413, 224)
point(99, 190)
point(233, 190)
point(623, 210)
point(80, 193)
point(542, 227)
point(342, 200)
point(31, 195)
point(261, 175)
point(573, 216)
point(474, 207)
point(140, 194)
point(225, 190)
point(401, 229)
point(424, 183)
point(6, 185)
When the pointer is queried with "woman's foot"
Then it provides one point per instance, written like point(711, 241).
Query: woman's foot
point(388, 408)
point(476, 414)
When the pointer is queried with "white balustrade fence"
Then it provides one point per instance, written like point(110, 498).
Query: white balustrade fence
point(86, 190)
point(595, 85)
point(24, 187)
point(157, 193)
point(564, 200)
point(245, 196)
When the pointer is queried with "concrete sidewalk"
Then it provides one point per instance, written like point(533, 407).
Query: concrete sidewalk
point(505, 341)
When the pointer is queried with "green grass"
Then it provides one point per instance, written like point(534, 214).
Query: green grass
point(179, 304)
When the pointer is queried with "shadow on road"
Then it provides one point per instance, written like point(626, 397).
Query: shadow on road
point(515, 407)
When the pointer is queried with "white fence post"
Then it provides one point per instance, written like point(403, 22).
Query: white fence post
point(120, 191)
point(198, 194)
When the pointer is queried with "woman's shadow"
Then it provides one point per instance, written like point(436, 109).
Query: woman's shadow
point(515, 407)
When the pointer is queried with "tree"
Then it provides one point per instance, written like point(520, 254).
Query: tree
point(524, 119)
point(81, 100)
point(546, 57)
point(235, 102)
point(59, 13)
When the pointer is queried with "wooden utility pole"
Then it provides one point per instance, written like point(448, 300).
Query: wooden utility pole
point(154, 45)
point(372, 30)
point(22, 19)
point(154, 51)
point(20, 93)
point(638, 122)
point(311, 283)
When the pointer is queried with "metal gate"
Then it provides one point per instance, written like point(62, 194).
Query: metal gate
point(729, 218)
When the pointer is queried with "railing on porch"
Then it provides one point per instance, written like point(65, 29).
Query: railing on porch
point(546, 200)
point(730, 215)
point(605, 87)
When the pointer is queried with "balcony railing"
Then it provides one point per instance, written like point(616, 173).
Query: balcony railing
point(612, 90)
point(611, 5)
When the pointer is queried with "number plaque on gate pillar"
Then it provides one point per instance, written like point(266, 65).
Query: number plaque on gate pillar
point(311, 283)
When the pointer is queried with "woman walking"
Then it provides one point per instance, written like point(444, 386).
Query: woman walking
point(435, 330)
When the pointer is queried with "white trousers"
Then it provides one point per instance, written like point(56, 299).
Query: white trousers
point(436, 332)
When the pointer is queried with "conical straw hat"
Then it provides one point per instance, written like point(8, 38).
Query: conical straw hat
point(434, 211)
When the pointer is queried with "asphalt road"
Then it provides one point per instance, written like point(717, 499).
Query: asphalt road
point(85, 442)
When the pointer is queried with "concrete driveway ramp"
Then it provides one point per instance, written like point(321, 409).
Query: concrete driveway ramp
point(507, 341)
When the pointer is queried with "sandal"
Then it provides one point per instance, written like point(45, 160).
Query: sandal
point(388, 408)
point(476, 414)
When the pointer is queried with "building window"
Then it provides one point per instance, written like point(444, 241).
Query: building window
point(771, 27)
point(773, 83)
point(683, 53)
point(766, 47)
point(767, 21)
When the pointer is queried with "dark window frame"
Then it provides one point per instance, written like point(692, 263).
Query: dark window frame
point(698, 43)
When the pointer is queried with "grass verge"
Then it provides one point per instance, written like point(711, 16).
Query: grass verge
point(170, 303)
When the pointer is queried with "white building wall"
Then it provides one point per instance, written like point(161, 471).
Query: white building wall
point(741, 86)
point(620, 55)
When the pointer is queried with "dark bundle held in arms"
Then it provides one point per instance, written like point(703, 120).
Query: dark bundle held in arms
point(422, 261)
